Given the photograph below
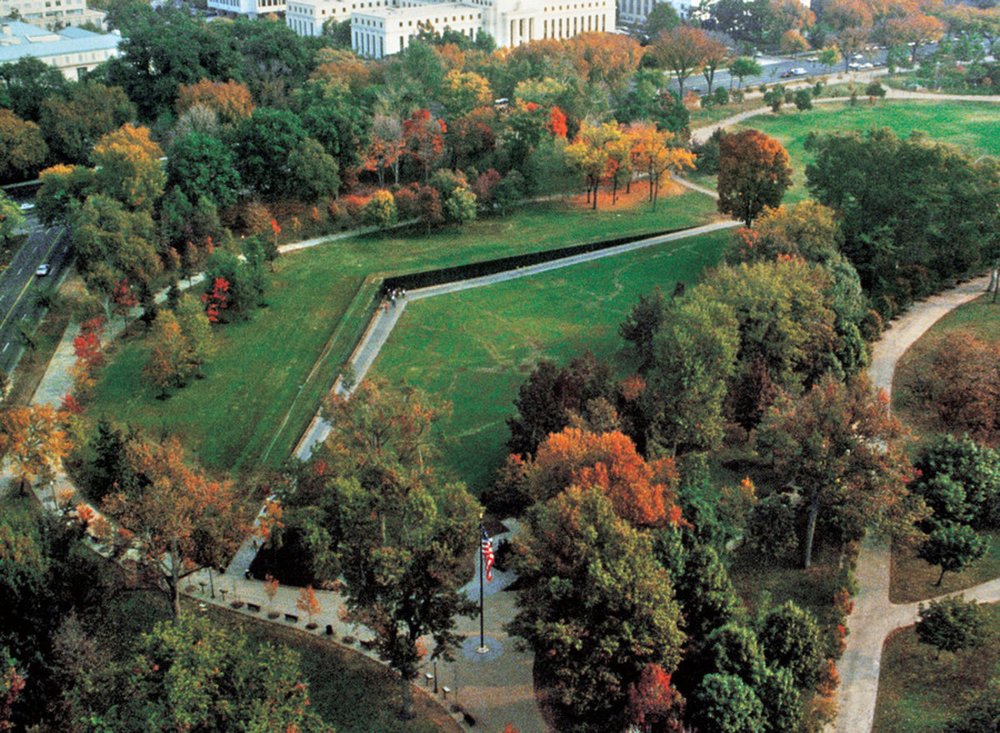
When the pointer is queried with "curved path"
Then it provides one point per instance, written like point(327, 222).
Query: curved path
point(874, 616)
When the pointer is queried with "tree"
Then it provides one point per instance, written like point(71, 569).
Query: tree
point(952, 546)
point(192, 674)
point(663, 17)
point(11, 218)
point(201, 165)
point(681, 51)
point(840, 448)
point(714, 54)
point(704, 590)
point(313, 173)
point(460, 206)
point(754, 172)
point(643, 323)
point(874, 91)
point(128, 167)
point(742, 67)
point(196, 334)
point(230, 100)
point(973, 469)
point(654, 152)
point(22, 147)
point(694, 355)
point(653, 703)
point(643, 493)
point(851, 24)
point(781, 700)
point(176, 519)
point(597, 608)
point(803, 99)
point(72, 124)
point(790, 639)
point(337, 119)
point(33, 442)
point(386, 149)
point(589, 155)
point(464, 91)
point(807, 229)
point(829, 56)
point(380, 211)
point(27, 82)
point(913, 29)
point(62, 192)
point(264, 142)
point(166, 366)
point(424, 138)
point(950, 624)
point(774, 97)
point(308, 604)
point(726, 704)
point(732, 649)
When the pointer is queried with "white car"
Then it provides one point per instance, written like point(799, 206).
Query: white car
point(26, 206)
point(799, 71)
point(43, 270)
point(813, 59)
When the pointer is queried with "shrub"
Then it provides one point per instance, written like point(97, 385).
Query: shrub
point(380, 211)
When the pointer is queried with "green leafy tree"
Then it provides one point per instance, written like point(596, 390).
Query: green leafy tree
point(597, 607)
point(706, 593)
point(742, 67)
point(952, 546)
point(790, 639)
point(72, 124)
point(782, 702)
point(732, 649)
point(460, 206)
point(11, 218)
point(264, 143)
point(969, 467)
point(202, 165)
point(950, 624)
point(803, 99)
point(22, 147)
point(196, 331)
point(314, 173)
point(663, 17)
point(193, 674)
point(25, 83)
point(726, 704)
point(643, 323)
point(337, 119)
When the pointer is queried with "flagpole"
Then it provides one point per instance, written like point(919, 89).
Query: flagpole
point(482, 619)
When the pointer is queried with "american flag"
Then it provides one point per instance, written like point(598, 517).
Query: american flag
point(487, 555)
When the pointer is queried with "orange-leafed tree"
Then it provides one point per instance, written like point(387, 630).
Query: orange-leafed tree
point(754, 172)
point(386, 148)
point(713, 54)
point(643, 492)
point(606, 58)
point(231, 100)
point(589, 154)
point(271, 586)
point(851, 22)
point(174, 520)
point(308, 603)
point(33, 442)
point(654, 153)
point(842, 450)
point(128, 167)
point(914, 29)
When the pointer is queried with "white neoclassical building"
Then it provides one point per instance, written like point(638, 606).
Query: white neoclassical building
point(384, 27)
point(634, 12)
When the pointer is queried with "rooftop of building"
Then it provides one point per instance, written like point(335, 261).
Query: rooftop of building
point(20, 40)
point(419, 11)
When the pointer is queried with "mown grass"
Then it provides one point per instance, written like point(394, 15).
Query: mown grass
point(970, 125)
point(249, 404)
point(476, 347)
point(920, 693)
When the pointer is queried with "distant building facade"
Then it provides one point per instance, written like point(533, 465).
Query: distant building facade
point(634, 12)
point(385, 27)
point(51, 13)
point(248, 8)
point(73, 51)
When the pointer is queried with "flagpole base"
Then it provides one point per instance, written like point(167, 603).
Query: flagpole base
point(482, 649)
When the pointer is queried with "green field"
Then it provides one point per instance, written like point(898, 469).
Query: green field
point(269, 374)
point(920, 694)
point(475, 348)
point(972, 125)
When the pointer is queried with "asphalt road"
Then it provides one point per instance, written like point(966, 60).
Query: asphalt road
point(19, 285)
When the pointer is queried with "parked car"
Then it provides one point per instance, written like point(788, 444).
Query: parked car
point(799, 71)
point(43, 270)
point(26, 206)
point(813, 59)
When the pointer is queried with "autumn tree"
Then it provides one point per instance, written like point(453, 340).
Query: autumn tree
point(681, 51)
point(754, 172)
point(308, 604)
point(597, 608)
point(464, 91)
point(424, 138)
point(386, 149)
point(654, 705)
point(33, 442)
point(841, 450)
point(806, 229)
point(380, 211)
point(851, 24)
point(589, 154)
point(714, 53)
point(913, 29)
point(656, 153)
point(230, 100)
point(950, 624)
point(22, 147)
point(174, 518)
point(165, 365)
point(123, 300)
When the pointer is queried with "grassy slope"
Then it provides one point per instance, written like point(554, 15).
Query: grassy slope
point(968, 124)
point(920, 694)
point(231, 418)
point(913, 579)
point(475, 348)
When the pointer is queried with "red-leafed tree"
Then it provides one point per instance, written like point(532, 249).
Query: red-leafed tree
point(123, 299)
point(174, 520)
point(557, 122)
point(308, 603)
point(424, 137)
point(654, 705)
point(216, 300)
point(641, 492)
point(12, 684)
point(754, 172)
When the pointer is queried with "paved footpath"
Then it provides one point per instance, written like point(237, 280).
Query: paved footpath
point(874, 616)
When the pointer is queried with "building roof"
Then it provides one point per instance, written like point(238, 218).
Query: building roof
point(20, 40)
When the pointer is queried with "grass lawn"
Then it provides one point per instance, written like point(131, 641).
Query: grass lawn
point(971, 125)
point(913, 579)
point(980, 317)
point(705, 116)
point(249, 411)
point(920, 694)
point(476, 347)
